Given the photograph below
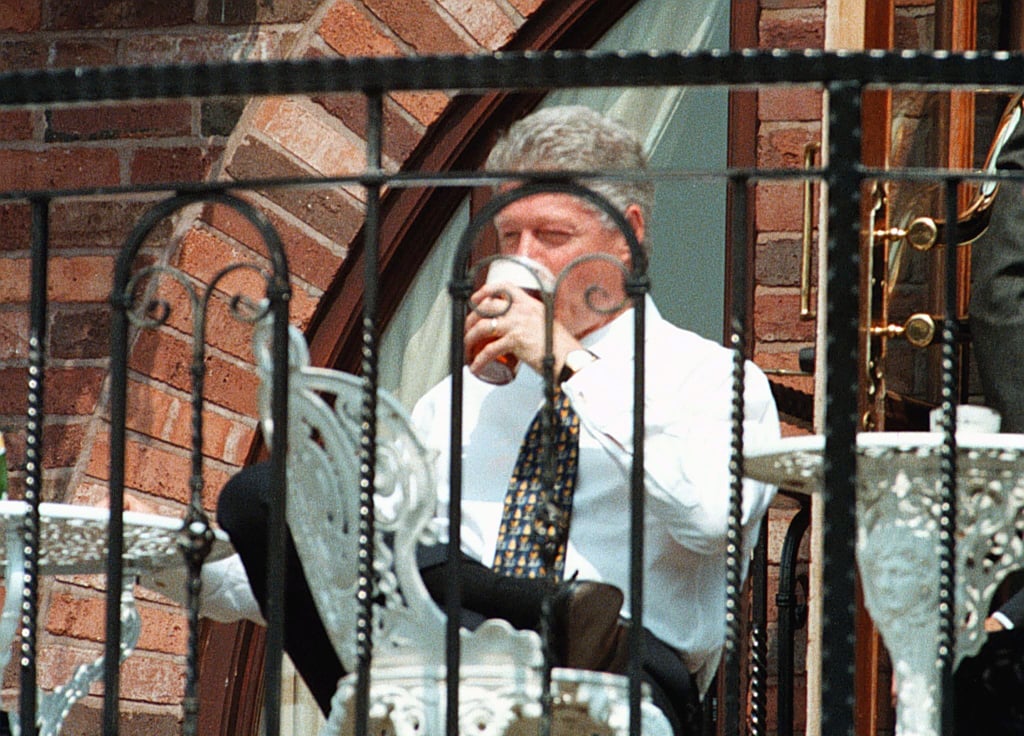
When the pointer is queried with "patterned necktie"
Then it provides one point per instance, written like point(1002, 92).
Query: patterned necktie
point(535, 519)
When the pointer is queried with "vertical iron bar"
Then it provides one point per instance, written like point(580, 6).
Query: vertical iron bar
point(785, 603)
point(198, 537)
point(637, 290)
point(115, 530)
point(460, 291)
point(758, 671)
point(194, 557)
point(120, 303)
point(34, 463)
point(946, 643)
point(840, 462)
point(549, 461)
point(368, 439)
point(277, 531)
point(734, 531)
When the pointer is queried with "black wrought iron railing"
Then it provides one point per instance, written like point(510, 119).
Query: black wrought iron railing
point(844, 76)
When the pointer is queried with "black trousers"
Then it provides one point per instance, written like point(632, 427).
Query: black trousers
point(243, 510)
point(988, 688)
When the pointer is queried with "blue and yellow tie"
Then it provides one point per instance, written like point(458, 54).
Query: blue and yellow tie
point(534, 527)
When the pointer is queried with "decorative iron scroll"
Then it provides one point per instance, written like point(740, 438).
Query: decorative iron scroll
point(139, 301)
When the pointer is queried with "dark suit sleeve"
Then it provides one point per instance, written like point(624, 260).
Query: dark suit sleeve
point(997, 309)
point(1013, 609)
point(997, 292)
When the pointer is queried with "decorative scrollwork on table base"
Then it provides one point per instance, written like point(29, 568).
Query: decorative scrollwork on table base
point(73, 541)
point(898, 511)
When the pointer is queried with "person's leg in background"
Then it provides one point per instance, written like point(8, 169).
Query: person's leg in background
point(585, 615)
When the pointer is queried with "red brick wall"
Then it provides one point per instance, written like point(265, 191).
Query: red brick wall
point(788, 119)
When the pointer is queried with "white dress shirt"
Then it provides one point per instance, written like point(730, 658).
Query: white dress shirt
point(225, 594)
point(687, 451)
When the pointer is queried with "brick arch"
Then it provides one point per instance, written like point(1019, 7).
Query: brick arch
point(321, 228)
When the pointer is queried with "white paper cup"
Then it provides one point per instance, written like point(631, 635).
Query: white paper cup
point(522, 272)
point(533, 278)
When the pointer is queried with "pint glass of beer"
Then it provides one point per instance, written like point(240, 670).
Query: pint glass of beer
point(533, 278)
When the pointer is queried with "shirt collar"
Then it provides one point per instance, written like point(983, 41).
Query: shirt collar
point(620, 330)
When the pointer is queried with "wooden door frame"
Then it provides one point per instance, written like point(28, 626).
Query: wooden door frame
point(869, 685)
point(956, 30)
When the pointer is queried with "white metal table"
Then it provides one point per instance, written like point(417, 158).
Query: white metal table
point(73, 541)
point(898, 499)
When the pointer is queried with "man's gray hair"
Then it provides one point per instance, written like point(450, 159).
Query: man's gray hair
point(577, 138)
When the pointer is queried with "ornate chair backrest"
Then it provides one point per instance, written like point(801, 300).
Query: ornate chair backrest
point(325, 415)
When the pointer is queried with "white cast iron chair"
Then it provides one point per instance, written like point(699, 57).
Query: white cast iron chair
point(500, 689)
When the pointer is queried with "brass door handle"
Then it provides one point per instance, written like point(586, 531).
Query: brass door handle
point(922, 233)
point(919, 330)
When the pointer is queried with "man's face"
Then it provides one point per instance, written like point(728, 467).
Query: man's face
point(554, 229)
